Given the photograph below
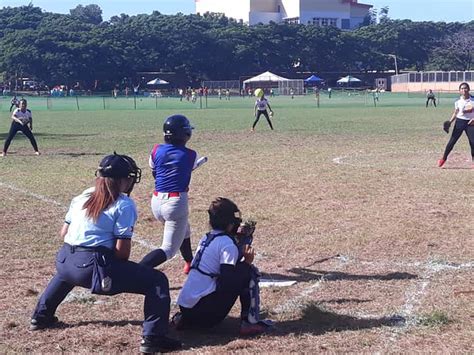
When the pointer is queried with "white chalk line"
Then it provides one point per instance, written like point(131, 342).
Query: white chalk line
point(405, 318)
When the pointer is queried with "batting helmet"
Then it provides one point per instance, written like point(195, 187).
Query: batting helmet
point(177, 126)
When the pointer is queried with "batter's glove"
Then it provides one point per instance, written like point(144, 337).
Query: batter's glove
point(446, 125)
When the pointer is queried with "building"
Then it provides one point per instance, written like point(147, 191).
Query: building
point(344, 14)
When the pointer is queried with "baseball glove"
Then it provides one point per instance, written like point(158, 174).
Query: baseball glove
point(446, 125)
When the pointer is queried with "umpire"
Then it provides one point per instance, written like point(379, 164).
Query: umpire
point(97, 241)
point(22, 120)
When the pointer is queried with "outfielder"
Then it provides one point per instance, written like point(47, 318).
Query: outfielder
point(464, 116)
point(261, 106)
point(22, 120)
point(172, 164)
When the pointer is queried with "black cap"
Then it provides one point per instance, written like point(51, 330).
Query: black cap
point(118, 166)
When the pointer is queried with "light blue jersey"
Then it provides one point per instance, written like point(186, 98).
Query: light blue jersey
point(115, 222)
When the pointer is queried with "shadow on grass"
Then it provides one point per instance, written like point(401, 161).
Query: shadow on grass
point(313, 320)
point(317, 321)
point(305, 274)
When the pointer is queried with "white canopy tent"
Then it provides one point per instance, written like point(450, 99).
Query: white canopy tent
point(267, 77)
point(348, 79)
point(157, 81)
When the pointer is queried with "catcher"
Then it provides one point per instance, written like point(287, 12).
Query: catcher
point(221, 272)
point(261, 106)
point(463, 116)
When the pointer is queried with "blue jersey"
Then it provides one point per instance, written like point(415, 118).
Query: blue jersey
point(172, 166)
point(115, 222)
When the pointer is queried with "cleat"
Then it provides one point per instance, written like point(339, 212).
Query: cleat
point(187, 267)
point(441, 163)
point(37, 153)
point(43, 323)
point(158, 344)
point(249, 329)
point(3, 154)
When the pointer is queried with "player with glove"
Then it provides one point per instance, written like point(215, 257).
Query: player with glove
point(22, 120)
point(463, 116)
point(261, 106)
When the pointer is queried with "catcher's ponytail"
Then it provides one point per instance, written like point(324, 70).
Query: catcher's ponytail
point(107, 191)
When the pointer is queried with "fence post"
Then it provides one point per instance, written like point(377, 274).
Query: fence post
point(77, 103)
point(156, 101)
point(135, 101)
point(200, 101)
point(103, 100)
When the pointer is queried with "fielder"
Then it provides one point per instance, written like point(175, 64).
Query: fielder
point(22, 120)
point(261, 106)
point(172, 164)
point(464, 116)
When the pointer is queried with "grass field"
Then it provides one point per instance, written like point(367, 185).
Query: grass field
point(349, 203)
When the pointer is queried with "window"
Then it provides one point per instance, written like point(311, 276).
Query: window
point(325, 22)
point(292, 20)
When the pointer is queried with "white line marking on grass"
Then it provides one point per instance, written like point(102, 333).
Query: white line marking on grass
point(26, 192)
point(297, 302)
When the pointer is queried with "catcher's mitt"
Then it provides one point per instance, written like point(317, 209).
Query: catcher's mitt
point(446, 125)
point(246, 228)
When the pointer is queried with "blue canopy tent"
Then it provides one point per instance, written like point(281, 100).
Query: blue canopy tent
point(313, 80)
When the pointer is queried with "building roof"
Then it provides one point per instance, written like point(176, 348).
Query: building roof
point(355, 3)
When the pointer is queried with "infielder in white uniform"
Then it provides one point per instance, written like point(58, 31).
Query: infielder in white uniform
point(463, 116)
point(22, 120)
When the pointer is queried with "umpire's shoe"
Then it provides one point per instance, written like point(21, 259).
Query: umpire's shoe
point(159, 344)
point(43, 323)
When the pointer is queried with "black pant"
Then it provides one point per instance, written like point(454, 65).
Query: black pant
point(14, 128)
point(459, 127)
point(430, 99)
point(213, 308)
point(76, 268)
point(265, 113)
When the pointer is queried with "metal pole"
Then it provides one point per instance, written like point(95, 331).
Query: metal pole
point(103, 100)
point(135, 101)
point(77, 102)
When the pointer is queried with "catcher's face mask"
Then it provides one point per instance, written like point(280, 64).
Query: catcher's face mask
point(236, 222)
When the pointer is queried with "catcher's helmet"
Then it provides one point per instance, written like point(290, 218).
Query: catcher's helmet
point(177, 126)
point(119, 166)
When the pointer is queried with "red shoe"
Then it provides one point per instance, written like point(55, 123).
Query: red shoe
point(441, 163)
point(187, 267)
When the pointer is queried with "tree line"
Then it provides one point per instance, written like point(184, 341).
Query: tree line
point(81, 47)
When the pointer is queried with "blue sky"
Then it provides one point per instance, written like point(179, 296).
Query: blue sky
point(416, 10)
